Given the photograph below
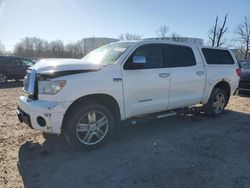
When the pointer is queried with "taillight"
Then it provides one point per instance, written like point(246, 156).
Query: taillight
point(238, 71)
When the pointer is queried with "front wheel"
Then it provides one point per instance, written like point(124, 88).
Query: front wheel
point(217, 102)
point(89, 126)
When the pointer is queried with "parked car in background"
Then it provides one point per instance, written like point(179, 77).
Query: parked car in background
point(242, 63)
point(244, 85)
point(12, 67)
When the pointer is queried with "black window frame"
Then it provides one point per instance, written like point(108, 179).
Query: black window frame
point(167, 51)
point(131, 66)
point(218, 58)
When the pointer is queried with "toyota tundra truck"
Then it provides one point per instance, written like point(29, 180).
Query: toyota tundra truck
point(86, 99)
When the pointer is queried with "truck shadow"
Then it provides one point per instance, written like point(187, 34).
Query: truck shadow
point(175, 151)
point(11, 84)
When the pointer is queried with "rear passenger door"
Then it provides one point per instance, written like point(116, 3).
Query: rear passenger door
point(188, 76)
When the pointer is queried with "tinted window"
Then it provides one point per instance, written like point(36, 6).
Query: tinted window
point(1, 60)
point(179, 56)
point(152, 54)
point(11, 61)
point(8, 61)
point(27, 62)
point(214, 56)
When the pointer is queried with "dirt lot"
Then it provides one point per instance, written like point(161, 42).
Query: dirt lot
point(181, 151)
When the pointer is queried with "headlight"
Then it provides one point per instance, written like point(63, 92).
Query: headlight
point(50, 87)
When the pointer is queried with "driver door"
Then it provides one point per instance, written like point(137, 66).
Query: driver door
point(146, 85)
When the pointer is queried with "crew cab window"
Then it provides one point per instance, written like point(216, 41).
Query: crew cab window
point(152, 54)
point(5, 60)
point(1, 60)
point(215, 56)
point(179, 56)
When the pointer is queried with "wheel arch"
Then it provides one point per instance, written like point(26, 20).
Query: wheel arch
point(105, 99)
point(225, 86)
point(209, 105)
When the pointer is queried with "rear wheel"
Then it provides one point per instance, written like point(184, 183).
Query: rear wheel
point(3, 78)
point(217, 102)
point(89, 126)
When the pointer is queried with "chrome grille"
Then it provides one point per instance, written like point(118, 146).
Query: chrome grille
point(30, 81)
point(26, 81)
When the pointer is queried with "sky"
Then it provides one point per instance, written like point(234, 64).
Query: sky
point(71, 20)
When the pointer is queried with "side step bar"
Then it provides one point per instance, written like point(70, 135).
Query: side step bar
point(166, 115)
point(148, 117)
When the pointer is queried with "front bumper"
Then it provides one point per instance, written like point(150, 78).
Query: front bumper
point(46, 116)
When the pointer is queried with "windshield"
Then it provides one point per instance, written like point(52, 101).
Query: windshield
point(107, 54)
point(28, 62)
point(246, 66)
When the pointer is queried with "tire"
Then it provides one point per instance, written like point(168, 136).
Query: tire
point(217, 102)
point(82, 129)
point(3, 78)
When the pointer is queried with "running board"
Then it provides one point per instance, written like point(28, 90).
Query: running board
point(148, 117)
point(166, 115)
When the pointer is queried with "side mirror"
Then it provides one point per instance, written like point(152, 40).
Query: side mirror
point(139, 60)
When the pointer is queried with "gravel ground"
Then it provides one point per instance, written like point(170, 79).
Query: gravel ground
point(182, 151)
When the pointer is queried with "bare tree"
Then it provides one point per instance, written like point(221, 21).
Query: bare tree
point(243, 30)
point(129, 36)
point(2, 48)
point(74, 50)
point(57, 48)
point(34, 47)
point(213, 32)
point(222, 31)
point(38, 46)
point(216, 33)
point(162, 32)
point(24, 48)
point(19, 50)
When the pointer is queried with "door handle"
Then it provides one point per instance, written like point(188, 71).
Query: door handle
point(164, 75)
point(199, 73)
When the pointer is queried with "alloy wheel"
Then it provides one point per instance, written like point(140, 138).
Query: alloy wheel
point(219, 103)
point(92, 127)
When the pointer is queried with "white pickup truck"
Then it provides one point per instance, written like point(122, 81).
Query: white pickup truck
point(86, 99)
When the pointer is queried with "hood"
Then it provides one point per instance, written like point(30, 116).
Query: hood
point(60, 65)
